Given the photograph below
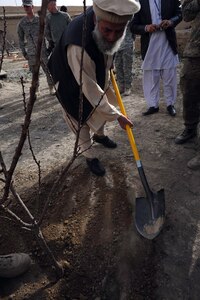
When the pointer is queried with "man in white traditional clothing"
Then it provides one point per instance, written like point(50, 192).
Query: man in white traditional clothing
point(105, 25)
point(156, 22)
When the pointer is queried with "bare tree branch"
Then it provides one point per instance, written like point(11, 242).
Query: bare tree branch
point(30, 105)
point(34, 225)
point(4, 39)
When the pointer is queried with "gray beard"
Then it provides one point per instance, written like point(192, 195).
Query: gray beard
point(105, 47)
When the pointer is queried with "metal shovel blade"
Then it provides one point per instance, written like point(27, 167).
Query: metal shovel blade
point(150, 214)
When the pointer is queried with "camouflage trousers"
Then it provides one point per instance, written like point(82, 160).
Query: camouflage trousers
point(124, 68)
point(44, 61)
point(190, 87)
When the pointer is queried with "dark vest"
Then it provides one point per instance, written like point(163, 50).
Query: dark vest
point(68, 91)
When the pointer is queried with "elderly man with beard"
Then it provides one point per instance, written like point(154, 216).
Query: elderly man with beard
point(105, 25)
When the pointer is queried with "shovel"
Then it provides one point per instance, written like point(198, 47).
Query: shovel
point(149, 210)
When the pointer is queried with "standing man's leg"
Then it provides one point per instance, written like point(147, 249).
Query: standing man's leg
point(151, 88)
point(189, 83)
point(44, 62)
point(169, 78)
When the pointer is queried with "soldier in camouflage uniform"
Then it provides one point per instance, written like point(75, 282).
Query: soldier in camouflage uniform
point(124, 64)
point(28, 32)
point(190, 78)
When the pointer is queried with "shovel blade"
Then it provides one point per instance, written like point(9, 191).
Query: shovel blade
point(150, 214)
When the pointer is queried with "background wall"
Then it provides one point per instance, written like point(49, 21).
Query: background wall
point(13, 16)
point(15, 13)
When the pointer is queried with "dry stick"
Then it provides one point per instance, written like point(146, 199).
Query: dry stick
point(39, 236)
point(30, 147)
point(29, 139)
point(25, 127)
point(33, 226)
point(30, 105)
point(20, 145)
point(75, 152)
point(58, 267)
point(4, 170)
point(23, 92)
point(4, 39)
point(14, 216)
point(39, 170)
point(80, 124)
point(42, 242)
point(81, 82)
point(9, 174)
point(54, 187)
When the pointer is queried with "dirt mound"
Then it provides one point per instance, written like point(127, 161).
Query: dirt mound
point(90, 221)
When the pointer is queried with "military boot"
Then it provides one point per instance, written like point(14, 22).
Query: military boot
point(187, 134)
point(14, 264)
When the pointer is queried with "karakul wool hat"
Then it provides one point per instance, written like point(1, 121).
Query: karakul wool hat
point(115, 11)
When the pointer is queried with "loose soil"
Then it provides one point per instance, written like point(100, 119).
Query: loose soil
point(89, 223)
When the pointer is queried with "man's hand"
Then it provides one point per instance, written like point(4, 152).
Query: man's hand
point(123, 121)
point(165, 24)
point(151, 28)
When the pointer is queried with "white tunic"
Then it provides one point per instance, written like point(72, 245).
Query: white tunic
point(103, 100)
point(159, 55)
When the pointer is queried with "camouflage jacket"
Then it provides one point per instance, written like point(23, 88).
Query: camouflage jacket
point(128, 39)
point(28, 32)
point(55, 25)
point(191, 12)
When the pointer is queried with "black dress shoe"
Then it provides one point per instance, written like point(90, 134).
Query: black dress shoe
point(187, 134)
point(95, 166)
point(171, 110)
point(151, 110)
point(105, 141)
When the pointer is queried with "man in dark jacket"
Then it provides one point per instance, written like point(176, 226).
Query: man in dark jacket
point(105, 25)
point(156, 22)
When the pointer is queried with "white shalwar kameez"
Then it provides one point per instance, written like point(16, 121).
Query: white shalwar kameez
point(159, 63)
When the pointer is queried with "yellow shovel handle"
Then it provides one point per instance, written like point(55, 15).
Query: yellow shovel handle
point(128, 128)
